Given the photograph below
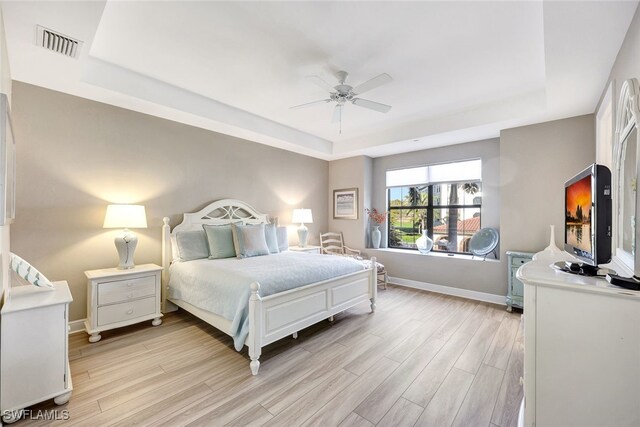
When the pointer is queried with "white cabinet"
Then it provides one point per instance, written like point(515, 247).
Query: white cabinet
point(582, 350)
point(35, 362)
point(117, 298)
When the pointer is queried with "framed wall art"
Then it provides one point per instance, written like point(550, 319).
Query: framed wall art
point(345, 203)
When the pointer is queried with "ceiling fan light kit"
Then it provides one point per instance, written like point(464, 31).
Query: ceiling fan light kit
point(343, 93)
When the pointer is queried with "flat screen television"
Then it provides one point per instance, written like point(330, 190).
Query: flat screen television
point(587, 227)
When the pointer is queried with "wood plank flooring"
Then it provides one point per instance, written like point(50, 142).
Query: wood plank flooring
point(422, 359)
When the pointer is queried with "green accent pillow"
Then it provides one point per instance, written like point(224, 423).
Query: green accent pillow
point(271, 238)
point(283, 239)
point(249, 240)
point(192, 245)
point(220, 240)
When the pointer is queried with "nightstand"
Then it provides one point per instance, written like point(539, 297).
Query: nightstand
point(117, 298)
point(307, 249)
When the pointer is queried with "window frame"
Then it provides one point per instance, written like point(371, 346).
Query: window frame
point(430, 207)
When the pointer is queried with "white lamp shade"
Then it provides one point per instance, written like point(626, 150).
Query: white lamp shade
point(125, 216)
point(302, 216)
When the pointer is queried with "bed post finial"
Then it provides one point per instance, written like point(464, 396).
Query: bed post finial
point(255, 287)
point(165, 220)
point(255, 314)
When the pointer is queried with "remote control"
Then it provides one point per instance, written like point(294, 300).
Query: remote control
point(624, 282)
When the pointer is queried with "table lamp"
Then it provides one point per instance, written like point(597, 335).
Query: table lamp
point(302, 216)
point(125, 216)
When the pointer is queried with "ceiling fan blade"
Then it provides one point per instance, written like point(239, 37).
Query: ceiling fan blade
point(318, 81)
point(383, 108)
point(372, 84)
point(322, 101)
point(337, 114)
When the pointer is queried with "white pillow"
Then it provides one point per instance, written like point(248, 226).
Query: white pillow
point(26, 271)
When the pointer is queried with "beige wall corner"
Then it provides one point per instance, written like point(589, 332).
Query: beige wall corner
point(76, 156)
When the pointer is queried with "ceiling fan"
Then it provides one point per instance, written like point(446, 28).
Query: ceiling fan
point(343, 93)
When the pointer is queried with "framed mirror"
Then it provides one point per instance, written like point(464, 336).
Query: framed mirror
point(625, 175)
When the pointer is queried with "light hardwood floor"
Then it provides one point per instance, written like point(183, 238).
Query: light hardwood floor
point(421, 359)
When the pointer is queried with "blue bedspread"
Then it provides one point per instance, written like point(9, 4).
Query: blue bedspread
point(221, 286)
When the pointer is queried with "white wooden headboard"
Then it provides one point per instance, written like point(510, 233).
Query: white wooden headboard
point(220, 212)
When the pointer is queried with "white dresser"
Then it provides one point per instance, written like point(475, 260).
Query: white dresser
point(117, 298)
point(582, 349)
point(35, 361)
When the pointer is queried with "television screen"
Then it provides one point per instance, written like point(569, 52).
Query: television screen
point(587, 204)
point(578, 214)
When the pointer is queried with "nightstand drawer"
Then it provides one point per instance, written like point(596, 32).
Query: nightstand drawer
point(518, 261)
point(126, 311)
point(124, 290)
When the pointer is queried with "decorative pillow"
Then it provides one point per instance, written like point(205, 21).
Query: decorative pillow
point(26, 271)
point(271, 238)
point(249, 240)
point(192, 245)
point(220, 240)
point(283, 239)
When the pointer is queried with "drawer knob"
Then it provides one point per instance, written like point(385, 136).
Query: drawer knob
point(130, 295)
point(130, 311)
point(129, 284)
point(521, 381)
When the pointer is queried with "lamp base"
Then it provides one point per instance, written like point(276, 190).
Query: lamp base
point(126, 243)
point(303, 233)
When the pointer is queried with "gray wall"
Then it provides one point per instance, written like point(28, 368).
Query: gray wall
point(535, 161)
point(523, 193)
point(75, 156)
point(449, 271)
point(627, 64)
point(354, 172)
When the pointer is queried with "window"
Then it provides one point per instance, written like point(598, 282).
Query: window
point(444, 199)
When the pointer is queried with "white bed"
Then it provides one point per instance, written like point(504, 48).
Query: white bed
point(275, 316)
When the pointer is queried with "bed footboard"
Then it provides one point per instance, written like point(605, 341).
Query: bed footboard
point(277, 316)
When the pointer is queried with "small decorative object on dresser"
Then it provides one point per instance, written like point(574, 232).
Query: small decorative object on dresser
point(306, 249)
point(125, 216)
point(302, 216)
point(117, 298)
point(35, 358)
point(515, 290)
point(377, 219)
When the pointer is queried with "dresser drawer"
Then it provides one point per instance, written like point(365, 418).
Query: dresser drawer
point(125, 290)
point(518, 261)
point(126, 311)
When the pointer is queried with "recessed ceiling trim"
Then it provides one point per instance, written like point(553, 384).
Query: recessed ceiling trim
point(57, 42)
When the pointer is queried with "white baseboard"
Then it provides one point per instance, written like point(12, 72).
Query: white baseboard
point(448, 290)
point(76, 326)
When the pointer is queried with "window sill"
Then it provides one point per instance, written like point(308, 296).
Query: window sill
point(434, 254)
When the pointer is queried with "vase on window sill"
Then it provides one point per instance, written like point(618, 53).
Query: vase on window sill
point(375, 237)
point(424, 243)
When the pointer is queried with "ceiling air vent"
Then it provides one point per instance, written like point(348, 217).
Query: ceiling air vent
point(57, 42)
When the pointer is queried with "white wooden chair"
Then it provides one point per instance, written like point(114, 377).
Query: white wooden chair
point(332, 243)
